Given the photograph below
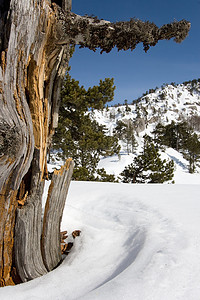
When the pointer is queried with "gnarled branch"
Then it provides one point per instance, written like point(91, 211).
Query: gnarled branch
point(93, 33)
point(34, 50)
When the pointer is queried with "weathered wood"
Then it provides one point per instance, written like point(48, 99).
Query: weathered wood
point(35, 39)
point(16, 134)
point(32, 68)
point(93, 33)
point(67, 5)
point(34, 258)
point(28, 258)
point(28, 228)
point(58, 189)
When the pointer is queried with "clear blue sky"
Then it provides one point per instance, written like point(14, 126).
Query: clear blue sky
point(136, 72)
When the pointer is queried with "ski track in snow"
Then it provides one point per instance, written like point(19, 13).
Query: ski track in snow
point(138, 242)
point(142, 248)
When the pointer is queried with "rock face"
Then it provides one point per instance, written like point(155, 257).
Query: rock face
point(35, 38)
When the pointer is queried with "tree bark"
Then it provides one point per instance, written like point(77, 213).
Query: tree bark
point(33, 65)
point(35, 38)
point(51, 248)
point(35, 257)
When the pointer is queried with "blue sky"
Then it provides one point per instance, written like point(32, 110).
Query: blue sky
point(136, 72)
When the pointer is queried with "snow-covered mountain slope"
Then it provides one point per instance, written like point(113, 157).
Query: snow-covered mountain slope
point(163, 105)
point(115, 165)
point(138, 242)
point(170, 102)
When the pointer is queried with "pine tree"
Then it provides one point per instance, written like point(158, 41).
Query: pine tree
point(119, 129)
point(125, 132)
point(148, 167)
point(127, 108)
point(192, 151)
point(77, 135)
point(129, 137)
point(104, 177)
point(179, 136)
point(159, 135)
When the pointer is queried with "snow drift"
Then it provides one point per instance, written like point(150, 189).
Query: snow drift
point(138, 242)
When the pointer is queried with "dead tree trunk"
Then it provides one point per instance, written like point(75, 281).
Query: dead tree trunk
point(35, 38)
point(33, 65)
point(33, 258)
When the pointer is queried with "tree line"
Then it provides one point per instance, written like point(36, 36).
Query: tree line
point(181, 137)
point(81, 137)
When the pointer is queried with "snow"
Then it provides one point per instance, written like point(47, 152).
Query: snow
point(164, 105)
point(137, 242)
point(116, 164)
point(180, 102)
point(181, 174)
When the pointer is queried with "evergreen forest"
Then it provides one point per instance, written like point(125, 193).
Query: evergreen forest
point(90, 129)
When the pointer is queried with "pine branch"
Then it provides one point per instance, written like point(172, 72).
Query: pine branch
point(93, 33)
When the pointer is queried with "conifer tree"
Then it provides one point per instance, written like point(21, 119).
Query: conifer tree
point(77, 135)
point(179, 136)
point(129, 137)
point(159, 137)
point(127, 108)
point(192, 151)
point(119, 129)
point(35, 39)
point(148, 167)
point(125, 132)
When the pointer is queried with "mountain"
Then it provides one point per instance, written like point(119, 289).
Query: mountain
point(169, 103)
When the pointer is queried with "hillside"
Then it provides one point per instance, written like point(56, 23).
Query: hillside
point(169, 103)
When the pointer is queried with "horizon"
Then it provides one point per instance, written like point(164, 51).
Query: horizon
point(136, 72)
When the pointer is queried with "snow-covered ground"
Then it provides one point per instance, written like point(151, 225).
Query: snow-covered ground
point(163, 105)
point(116, 164)
point(138, 242)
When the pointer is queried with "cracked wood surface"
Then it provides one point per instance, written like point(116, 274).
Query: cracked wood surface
point(31, 73)
point(29, 262)
point(51, 250)
point(35, 38)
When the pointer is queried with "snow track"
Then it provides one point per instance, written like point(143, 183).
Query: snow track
point(138, 242)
